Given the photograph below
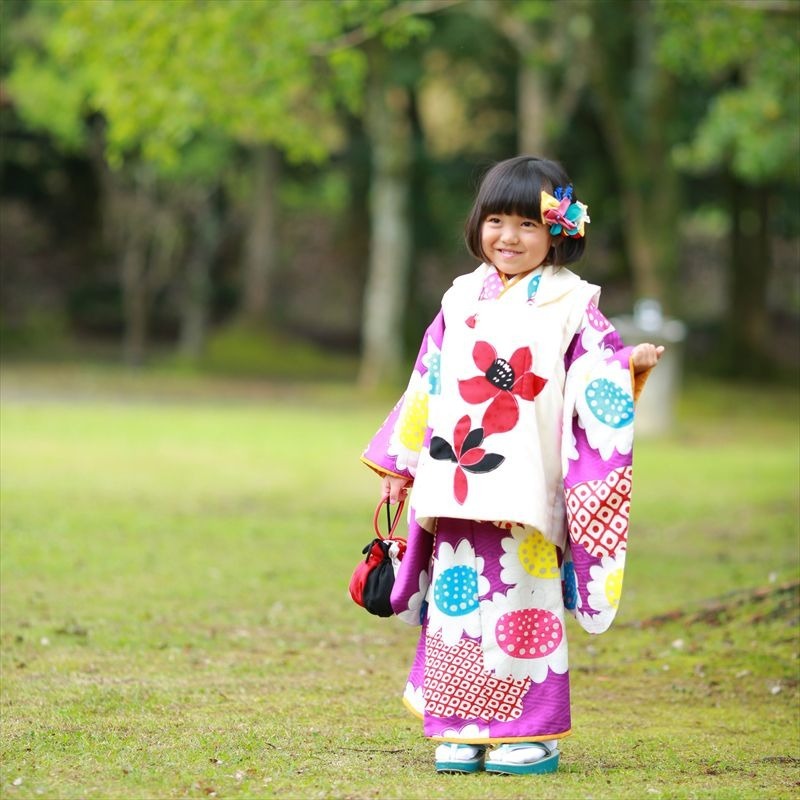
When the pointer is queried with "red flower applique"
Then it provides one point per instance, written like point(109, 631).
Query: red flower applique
point(502, 382)
point(466, 453)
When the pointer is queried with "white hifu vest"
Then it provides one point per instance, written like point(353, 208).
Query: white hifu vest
point(527, 487)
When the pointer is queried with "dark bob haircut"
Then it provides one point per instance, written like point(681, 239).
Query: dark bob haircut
point(515, 186)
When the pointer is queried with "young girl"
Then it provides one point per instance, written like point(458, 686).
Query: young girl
point(516, 430)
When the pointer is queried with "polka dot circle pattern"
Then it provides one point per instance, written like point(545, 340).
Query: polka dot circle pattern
point(435, 374)
point(413, 421)
point(456, 591)
point(570, 586)
point(533, 287)
point(530, 633)
point(596, 318)
point(538, 556)
point(610, 404)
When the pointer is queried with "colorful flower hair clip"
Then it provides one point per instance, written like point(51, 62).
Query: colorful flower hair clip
point(565, 217)
point(560, 192)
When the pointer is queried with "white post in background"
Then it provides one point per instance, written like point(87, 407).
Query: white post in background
point(655, 410)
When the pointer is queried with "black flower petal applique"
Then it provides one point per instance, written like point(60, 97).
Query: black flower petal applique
point(466, 453)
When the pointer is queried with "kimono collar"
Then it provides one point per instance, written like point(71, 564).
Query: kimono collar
point(555, 284)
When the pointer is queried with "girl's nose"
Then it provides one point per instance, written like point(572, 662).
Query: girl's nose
point(509, 234)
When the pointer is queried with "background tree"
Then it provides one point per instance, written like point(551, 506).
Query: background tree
point(341, 140)
point(171, 80)
point(747, 56)
point(635, 105)
point(549, 38)
point(262, 75)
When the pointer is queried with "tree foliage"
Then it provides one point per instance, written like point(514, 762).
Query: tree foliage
point(635, 96)
point(167, 74)
point(748, 54)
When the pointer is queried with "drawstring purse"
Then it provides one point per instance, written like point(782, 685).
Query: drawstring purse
point(373, 578)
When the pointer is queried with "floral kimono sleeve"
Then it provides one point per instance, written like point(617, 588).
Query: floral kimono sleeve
point(395, 448)
point(597, 460)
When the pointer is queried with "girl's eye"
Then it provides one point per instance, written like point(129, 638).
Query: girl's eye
point(530, 223)
point(493, 220)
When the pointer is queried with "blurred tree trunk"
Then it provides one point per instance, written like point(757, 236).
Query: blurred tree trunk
point(140, 237)
point(150, 235)
point(634, 128)
point(261, 247)
point(125, 242)
point(532, 109)
point(747, 327)
point(131, 212)
point(532, 92)
point(205, 224)
point(389, 129)
point(544, 106)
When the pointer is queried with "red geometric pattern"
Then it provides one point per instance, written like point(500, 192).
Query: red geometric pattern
point(598, 511)
point(457, 684)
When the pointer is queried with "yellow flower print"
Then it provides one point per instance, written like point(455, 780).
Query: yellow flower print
point(413, 421)
point(613, 587)
point(538, 556)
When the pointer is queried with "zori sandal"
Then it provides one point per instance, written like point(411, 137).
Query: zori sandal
point(523, 758)
point(459, 758)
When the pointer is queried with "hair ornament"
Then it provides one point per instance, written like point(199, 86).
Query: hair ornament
point(565, 217)
point(560, 192)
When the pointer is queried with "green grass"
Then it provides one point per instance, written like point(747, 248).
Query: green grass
point(176, 623)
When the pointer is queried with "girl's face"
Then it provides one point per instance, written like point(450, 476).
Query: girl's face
point(514, 244)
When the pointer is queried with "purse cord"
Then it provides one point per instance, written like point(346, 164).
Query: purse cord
point(392, 523)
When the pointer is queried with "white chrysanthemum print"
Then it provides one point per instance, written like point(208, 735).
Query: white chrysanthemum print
point(605, 409)
point(592, 338)
point(605, 586)
point(523, 639)
point(569, 447)
point(470, 733)
point(596, 623)
point(528, 557)
point(412, 614)
point(414, 698)
point(454, 597)
point(412, 421)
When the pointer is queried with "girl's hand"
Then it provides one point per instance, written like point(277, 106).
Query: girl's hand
point(645, 356)
point(394, 487)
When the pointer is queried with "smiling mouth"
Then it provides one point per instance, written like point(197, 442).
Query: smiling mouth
point(507, 253)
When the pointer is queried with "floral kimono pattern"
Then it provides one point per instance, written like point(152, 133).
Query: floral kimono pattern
point(491, 592)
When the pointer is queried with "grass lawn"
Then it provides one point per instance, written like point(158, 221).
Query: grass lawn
point(176, 622)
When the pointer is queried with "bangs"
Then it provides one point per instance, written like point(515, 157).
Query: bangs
point(519, 192)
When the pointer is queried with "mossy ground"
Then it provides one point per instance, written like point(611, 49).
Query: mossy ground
point(176, 623)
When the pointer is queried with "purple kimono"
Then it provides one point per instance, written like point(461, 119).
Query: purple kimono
point(517, 428)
